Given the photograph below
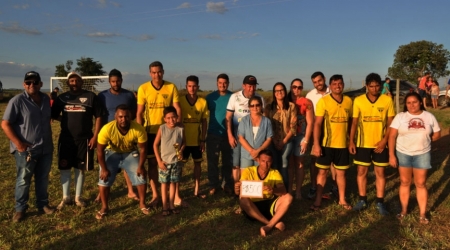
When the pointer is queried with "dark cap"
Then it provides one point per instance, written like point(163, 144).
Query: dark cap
point(250, 80)
point(32, 74)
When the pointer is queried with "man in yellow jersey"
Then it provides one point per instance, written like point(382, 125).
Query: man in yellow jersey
point(152, 97)
point(275, 202)
point(372, 116)
point(331, 129)
point(122, 143)
point(195, 113)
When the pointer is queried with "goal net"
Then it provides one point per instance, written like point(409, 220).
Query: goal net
point(91, 83)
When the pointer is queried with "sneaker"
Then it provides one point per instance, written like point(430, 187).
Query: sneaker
point(360, 205)
point(382, 209)
point(312, 193)
point(47, 209)
point(18, 216)
point(80, 202)
point(66, 201)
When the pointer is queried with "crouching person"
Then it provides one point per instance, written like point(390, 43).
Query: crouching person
point(275, 202)
point(116, 148)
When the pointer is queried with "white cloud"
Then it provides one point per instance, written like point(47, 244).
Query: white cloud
point(21, 6)
point(144, 37)
point(103, 34)
point(218, 7)
point(15, 27)
point(213, 37)
point(185, 5)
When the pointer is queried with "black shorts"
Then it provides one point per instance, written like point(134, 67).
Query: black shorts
point(365, 157)
point(75, 154)
point(195, 151)
point(266, 207)
point(422, 93)
point(340, 157)
point(150, 140)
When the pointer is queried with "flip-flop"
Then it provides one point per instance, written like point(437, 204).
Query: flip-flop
point(99, 215)
point(346, 206)
point(424, 220)
point(134, 198)
point(200, 196)
point(165, 213)
point(145, 210)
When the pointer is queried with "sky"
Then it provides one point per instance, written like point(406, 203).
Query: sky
point(274, 40)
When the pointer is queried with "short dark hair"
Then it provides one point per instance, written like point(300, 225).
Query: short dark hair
point(265, 152)
point(223, 76)
point(417, 96)
point(169, 109)
point(56, 88)
point(316, 74)
point(192, 78)
point(156, 64)
point(123, 107)
point(336, 77)
point(115, 72)
point(387, 78)
point(373, 77)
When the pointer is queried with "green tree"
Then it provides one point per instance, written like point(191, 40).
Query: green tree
point(86, 66)
point(413, 59)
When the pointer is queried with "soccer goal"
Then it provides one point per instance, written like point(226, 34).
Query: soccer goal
point(91, 83)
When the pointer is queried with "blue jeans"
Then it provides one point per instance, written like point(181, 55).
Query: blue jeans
point(39, 165)
point(127, 161)
point(214, 146)
point(281, 161)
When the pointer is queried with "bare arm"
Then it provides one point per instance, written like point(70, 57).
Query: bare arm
point(9, 132)
point(309, 129)
point(436, 136)
point(278, 190)
point(140, 114)
point(351, 145)
point(203, 136)
point(317, 151)
point(142, 157)
point(229, 123)
point(97, 127)
point(381, 145)
point(392, 140)
point(177, 106)
point(156, 143)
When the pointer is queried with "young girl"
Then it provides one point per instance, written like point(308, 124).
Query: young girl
point(434, 94)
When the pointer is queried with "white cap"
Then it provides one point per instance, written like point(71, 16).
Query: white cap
point(72, 74)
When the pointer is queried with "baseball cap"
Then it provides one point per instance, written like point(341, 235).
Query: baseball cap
point(250, 80)
point(31, 74)
point(72, 74)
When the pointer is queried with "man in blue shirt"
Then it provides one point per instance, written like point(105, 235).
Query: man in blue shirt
point(26, 122)
point(217, 139)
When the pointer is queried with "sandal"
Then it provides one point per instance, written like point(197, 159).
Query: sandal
point(346, 206)
point(400, 216)
point(174, 211)
point(314, 208)
point(136, 198)
point(145, 210)
point(99, 215)
point(182, 204)
point(424, 220)
point(165, 213)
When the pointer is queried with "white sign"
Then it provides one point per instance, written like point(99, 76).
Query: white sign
point(252, 189)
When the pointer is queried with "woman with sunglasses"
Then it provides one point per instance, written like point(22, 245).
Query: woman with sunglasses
point(305, 122)
point(254, 133)
point(283, 115)
point(409, 149)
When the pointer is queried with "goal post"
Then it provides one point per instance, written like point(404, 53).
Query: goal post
point(91, 83)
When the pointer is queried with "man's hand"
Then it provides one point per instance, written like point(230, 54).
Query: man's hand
point(92, 142)
point(352, 148)
point(254, 154)
point(380, 146)
point(202, 146)
point(141, 172)
point(104, 174)
point(232, 141)
point(268, 190)
point(22, 146)
point(317, 150)
point(237, 188)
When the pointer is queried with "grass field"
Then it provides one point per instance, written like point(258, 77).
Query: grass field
point(211, 223)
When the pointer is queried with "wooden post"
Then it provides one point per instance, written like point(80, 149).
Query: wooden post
point(397, 96)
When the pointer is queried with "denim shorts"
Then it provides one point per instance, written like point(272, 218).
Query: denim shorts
point(127, 161)
point(414, 161)
point(171, 175)
point(237, 154)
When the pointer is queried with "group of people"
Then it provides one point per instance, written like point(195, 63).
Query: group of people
point(256, 141)
point(428, 86)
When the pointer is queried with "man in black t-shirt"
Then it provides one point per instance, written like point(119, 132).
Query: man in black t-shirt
point(75, 110)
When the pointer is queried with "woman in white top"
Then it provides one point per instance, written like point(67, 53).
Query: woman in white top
point(409, 149)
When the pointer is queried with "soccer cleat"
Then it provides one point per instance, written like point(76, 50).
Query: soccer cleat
point(360, 205)
point(382, 209)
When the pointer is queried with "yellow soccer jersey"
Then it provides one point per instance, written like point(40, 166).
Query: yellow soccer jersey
point(192, 119)
point(372, 119)
point(155, 100)
point(111, 136)
point(336, 118)
point(272, 179)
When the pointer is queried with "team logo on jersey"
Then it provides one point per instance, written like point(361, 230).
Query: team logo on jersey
point(380, 109)
point(197, 112)
point(165, 96)
point(82, 99)
point(416, 123)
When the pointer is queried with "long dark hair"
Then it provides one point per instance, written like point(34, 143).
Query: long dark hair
point(417, 96)
point(285, 99)
point(290, 91)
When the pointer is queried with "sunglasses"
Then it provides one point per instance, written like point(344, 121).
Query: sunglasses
point(297, 87)
point(254, 105)
point(31, 82)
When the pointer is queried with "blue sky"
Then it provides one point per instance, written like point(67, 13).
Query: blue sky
point(275, 40)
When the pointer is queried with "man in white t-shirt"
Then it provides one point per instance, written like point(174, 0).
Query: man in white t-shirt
point(236, 109)
point(320, 90)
